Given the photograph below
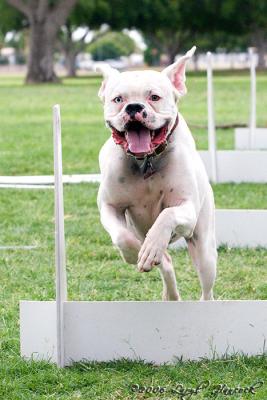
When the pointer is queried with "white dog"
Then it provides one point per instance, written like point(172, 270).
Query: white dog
point(154, 188)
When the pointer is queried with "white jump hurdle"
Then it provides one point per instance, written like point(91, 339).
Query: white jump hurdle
point(251, 138)
point(231, 165)
point(65, 331)
point(237, 166)
point(239, 228)
point(45, 181)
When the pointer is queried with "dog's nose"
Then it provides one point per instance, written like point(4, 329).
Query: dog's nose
point(134, 108)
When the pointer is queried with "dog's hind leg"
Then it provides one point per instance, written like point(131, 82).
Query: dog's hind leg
point(168, 278)
point(129, 246)
point(203, 251)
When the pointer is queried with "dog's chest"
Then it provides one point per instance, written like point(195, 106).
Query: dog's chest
point(144, 199)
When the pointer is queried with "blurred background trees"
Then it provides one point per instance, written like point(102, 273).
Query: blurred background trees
point(41, 28)
point(44, 18)
point(112, 45)
point(88, 17)
point(12, 23)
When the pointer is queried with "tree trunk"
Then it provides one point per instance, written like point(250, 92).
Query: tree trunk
point(261, 53)
point(171, 57)
point(45, 18)
point(72, 48)
point(40, 61)
point(195, 62)
point(259, 40)
point(68, 46)
point(172, 45)
point(70, 60)
point(172, 51)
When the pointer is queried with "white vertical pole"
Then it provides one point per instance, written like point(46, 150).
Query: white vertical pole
point(252, 117)
point(61, 281)
point(211, 120)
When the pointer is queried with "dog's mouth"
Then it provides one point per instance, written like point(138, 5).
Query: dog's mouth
point(139, 140)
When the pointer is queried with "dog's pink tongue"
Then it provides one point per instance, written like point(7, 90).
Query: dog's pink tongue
point(139, 142)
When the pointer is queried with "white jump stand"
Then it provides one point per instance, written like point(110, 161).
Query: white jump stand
point(252, 138)
point(242, 139)
point(230, 165)
point(65, 331)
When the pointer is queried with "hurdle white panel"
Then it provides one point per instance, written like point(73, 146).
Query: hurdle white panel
point(241, 228)
point(242, 136)
point(38, 330)
point(238, 228)
point(232, 166)
point(18, 186)
point(48, 179)
point(238, 165)
point(157, 332)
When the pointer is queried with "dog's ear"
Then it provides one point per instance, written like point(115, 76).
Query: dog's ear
point(176, 73)
point(107, 72)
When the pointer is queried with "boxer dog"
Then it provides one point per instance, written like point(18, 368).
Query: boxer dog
point(154, 188)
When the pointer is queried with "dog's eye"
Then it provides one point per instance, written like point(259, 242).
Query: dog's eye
point(118, 99)
point(154, 97)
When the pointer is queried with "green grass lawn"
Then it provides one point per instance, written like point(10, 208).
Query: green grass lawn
point(95, 272)
point(26, 127)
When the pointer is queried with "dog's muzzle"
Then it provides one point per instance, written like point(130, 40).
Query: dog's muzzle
point(140, 141)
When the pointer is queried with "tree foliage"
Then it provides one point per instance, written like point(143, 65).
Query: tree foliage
point(10, 19)
point(171, 26)
point(112, 46)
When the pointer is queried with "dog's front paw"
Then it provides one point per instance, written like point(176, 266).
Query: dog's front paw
point(150, 255)
point(147, 263)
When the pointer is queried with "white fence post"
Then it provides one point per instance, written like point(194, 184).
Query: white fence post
point(60, 257)
point(252, 117)
point(211, 121)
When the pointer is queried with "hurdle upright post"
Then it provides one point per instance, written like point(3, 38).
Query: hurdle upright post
point(211, 121)
point(252, 116)
point(60, 256)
